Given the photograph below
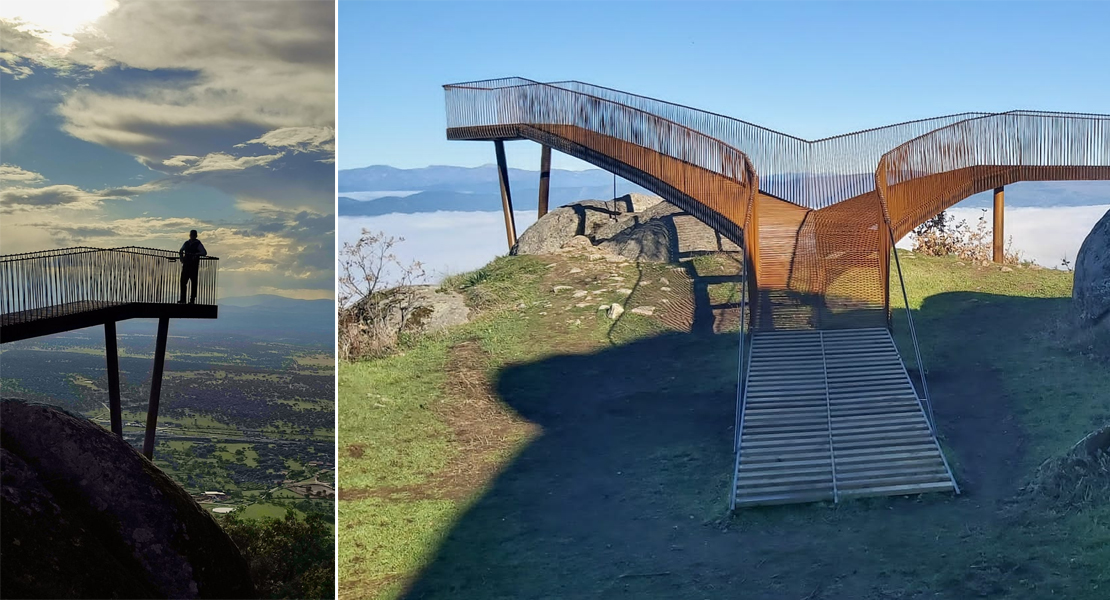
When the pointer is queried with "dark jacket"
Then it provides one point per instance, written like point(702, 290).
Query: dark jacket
point(190, 253)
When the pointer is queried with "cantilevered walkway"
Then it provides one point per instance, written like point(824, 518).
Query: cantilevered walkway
point(43, 293)
point(817, 221)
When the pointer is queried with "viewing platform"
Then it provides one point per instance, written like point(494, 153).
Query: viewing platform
point(54, 291)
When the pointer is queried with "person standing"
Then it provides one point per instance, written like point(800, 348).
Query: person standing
point(190, 254)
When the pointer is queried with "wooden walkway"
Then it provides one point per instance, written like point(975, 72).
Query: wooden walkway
point(833, 414)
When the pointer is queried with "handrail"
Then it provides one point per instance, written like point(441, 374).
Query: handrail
point(741, 377)
point(33, 283)
point(823, 202)
point(913, 336)
point(718, 176)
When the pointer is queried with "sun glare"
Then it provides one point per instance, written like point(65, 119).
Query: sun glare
point(55, 21)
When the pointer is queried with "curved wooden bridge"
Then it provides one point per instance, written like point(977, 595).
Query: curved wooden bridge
point(48, 292)
point(817, 220)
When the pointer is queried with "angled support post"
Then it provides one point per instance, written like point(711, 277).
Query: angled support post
point(545, 178)
point(751, 269)
point(155, 387)
point(885, 249)
point(112, 355)
point(999, 210)
point(506, 198)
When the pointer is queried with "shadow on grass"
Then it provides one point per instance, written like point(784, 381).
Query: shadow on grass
point(624, 493)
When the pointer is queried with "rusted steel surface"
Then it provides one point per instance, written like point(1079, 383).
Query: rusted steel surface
point(506, 195)
point(545, 179)
point(815, 215)
point(925, 175)
point(999, 240)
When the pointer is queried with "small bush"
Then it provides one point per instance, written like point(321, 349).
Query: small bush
point(939, 236)
point(1071, 483)
point(376, 296)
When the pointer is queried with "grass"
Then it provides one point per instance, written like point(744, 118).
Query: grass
point(228, 453)
point(613, 478)
point(257, 511)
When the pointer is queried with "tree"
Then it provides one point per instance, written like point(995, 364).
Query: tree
point(289, 557)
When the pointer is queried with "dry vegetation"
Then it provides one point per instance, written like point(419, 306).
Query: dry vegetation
point(939, 236)
point(376, 296)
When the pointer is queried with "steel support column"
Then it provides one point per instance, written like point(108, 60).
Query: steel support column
point(999, 209)
point(112, 355)
point(545, 178)
point(506, 197)
point(155, 387)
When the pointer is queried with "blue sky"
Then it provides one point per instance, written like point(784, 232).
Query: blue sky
point(808, 69)
point(130, 122)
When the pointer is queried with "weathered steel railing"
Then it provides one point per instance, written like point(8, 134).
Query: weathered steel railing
point(655, 152)
point(925, 175)
point(815, 224)
point(38, 285)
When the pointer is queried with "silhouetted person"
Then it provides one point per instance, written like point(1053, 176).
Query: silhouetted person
point(190, 254)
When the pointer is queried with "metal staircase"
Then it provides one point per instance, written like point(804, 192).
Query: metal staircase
point(830, 414)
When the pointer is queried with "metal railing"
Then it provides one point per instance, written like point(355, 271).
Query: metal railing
point(674, 158)
point(819, 205)
point(36, 285)
point(928, 401)
point(741, 377)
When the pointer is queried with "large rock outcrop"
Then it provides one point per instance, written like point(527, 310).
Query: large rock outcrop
point(84, 515)
point(1091, 287)
point(584, 217)
point(635, 226)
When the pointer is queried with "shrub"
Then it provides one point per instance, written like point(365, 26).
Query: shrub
point(376, 295)
point(940, 237)
point(288, 558)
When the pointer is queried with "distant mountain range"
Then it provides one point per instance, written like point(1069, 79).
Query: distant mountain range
point(381, 189)
point(459, 179)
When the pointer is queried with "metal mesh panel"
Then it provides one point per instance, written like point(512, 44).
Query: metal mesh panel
point(818, 213)
point(38, 285)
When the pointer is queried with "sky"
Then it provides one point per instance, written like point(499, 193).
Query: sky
point(807, 69)
point(131, 122)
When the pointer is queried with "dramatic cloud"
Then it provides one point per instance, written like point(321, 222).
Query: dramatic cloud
point(219, 161)
point(231, 98)
point(14, 173)
point(298, 139)
point(15, 66)
point(260, 67)
point(68, 196)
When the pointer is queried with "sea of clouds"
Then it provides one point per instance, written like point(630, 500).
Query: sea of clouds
point(455, 242)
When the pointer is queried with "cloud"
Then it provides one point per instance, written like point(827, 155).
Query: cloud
point(14, 119)
point(260, 67)
point(298, 139)
point(219, 161)
point(14, 173)
point(236, 96)
point(445, 242)
point(276, 249)
point(10, 64)
point(67, 196)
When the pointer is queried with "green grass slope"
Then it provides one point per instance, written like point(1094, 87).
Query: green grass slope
point(544, 450)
